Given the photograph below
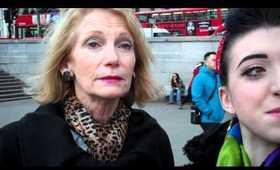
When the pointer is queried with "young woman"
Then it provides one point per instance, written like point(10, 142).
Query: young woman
point(250, 73)
point(177, 88)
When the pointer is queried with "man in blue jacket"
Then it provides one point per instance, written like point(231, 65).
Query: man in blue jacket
point(205, 93)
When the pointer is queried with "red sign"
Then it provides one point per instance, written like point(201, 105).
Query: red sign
point(171, 25)
point(32, 20)
point(24, 20)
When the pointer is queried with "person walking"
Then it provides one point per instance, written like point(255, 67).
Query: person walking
point(205, 93)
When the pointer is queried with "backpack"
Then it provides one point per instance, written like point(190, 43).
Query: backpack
point(195, 73)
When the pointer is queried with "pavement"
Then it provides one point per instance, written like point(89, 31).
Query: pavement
point(175, 121)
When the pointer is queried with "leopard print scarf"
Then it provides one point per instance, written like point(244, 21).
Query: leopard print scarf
point(104, 141)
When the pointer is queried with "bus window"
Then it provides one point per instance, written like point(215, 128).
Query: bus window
point(143, 18)
point(212, 14)
point(200, 16)
point(178, 17)
point(224, 14)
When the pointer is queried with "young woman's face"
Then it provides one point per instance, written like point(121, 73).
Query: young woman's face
point(103, 57)
point(253, 91)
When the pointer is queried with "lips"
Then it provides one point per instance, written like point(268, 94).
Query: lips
point(111, 77)
point(274, 111)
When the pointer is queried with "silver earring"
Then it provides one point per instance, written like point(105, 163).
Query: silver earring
point(67, 75)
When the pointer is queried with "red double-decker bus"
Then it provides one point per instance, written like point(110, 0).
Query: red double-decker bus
point(184, 21)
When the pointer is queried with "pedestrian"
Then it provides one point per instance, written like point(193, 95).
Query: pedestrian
point(96, 68)
point(177, 89)
point(250, 74)
point(205, 95)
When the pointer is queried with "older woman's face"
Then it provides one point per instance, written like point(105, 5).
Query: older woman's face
point(253, 91)
point(103, 57)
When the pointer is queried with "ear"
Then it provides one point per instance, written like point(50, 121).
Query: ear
point(226, 100)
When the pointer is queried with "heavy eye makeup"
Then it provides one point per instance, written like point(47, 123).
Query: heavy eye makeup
point(253, 66)
point(253, 72)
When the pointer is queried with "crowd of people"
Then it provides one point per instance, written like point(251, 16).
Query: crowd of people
point(97, 66)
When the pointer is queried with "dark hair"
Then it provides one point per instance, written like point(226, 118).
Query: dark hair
point(208, 54)
point(177, 79)
point(241, 21)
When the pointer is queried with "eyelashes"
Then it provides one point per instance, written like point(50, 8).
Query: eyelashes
point(94, 43)
point(126, 45)
point(254, 72)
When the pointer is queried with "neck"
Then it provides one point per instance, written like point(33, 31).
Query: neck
point(256, 147)
point(101, 109)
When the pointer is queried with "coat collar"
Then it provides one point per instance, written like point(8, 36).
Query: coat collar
point(54, 144)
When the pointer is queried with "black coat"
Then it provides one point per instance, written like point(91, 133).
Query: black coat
point(43, 138)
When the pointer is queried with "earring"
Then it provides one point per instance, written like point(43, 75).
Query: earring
point(67, 75)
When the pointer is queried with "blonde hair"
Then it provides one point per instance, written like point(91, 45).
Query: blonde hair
point(60, 40)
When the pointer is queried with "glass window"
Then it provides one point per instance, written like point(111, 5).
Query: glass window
point(212, 14)
point(142, 18)
point(178, 17)
point(224, 14)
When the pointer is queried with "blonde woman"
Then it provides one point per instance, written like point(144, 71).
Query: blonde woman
point(97, 67)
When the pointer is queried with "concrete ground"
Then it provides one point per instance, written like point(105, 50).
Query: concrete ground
point(176, 122)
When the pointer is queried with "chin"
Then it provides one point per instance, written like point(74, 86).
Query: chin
point(112, 93)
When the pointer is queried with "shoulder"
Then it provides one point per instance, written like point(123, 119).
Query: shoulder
point(147, 138)
point(200, 78)
point(31, 122)
point(13, 128)
point(140, 120)
point(140, 116)
point(9, 128)
point(35, 137)
point(43, 113)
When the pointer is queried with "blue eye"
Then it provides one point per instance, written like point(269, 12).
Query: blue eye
point(254, 72)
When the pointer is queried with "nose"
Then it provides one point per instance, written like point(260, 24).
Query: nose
point(111, 56)
point(275, 87)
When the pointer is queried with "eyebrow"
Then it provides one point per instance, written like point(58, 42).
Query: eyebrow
point(95, 32)
point(253, 56)
point(126, 35)
point(121, 35)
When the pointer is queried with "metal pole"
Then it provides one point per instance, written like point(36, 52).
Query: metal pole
point(152, 35)
point(9, 24)
point(38, 20)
